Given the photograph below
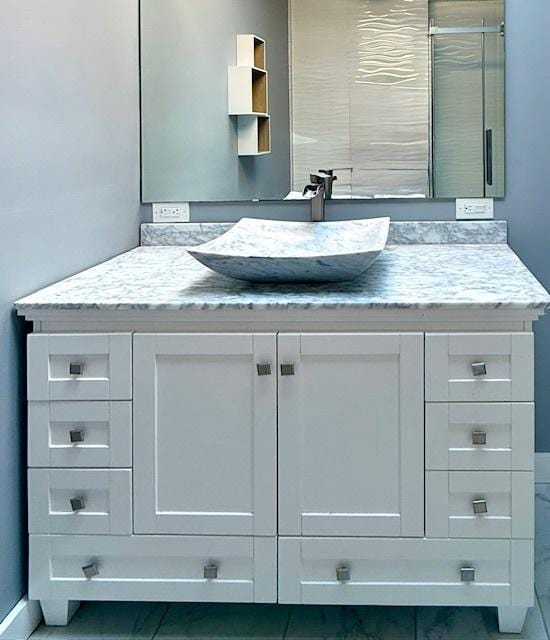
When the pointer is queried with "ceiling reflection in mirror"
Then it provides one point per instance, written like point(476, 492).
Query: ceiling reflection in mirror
point(246, 99)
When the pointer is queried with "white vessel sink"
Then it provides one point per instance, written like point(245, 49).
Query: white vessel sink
point(274, 251)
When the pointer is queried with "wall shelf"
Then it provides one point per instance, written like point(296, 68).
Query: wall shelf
point(254, 135)
point(250, 51)
point(247, 92)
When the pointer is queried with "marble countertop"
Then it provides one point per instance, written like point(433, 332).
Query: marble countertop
point(407, 276)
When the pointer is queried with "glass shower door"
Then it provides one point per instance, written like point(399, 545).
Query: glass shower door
point(467, 111)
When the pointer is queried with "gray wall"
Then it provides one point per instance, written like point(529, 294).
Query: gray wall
point(189, 141)
point(527, 202)
point(69, 190)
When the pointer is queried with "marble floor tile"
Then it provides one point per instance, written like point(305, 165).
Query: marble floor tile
point(372, 623)
point(108, 621)
point(473, 623)
point(542, 548)
point(224, 622)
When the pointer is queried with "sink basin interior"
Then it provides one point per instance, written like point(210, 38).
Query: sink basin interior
point(280, 239)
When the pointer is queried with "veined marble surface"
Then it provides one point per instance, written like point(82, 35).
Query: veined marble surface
point(423, 232)
point(300, 252)
point(404, 277)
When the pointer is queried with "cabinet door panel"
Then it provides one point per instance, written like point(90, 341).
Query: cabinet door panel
point(351, 435)
point(205, 434)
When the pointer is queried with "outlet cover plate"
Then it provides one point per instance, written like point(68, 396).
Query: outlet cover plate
point(171, 212)
point(475, 209)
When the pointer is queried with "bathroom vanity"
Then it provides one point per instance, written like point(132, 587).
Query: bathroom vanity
point(196, 438)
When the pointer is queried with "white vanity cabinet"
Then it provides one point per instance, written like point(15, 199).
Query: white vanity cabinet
point(331, 467)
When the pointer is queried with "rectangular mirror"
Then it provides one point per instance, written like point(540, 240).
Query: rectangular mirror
point(244, 99)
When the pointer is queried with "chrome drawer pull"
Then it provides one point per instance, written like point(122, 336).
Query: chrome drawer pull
point(287, 369)
point(76, 368)
point(343, 574)
point(479, 369)
point(210, 572)
point(90, 570)
point(78, 503)
point(479, 438)
point(264, 369)
point(479, 506)
point(467, 574)
point(76, 435)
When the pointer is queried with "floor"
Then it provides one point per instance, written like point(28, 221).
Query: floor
point(145, 621)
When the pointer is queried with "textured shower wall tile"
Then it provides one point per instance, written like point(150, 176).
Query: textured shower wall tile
point(360, 98)
point(320, 90)
point(389, 82)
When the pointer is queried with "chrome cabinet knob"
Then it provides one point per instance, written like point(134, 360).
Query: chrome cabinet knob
point(479, 438)
point(479, 369)
point(90, 570)
point(287, 370)
point(76, 368)
point(78, 503)
point(343, 574)
point(264, 369)
point(479, 506)
point(76, 435)
point(467, 574)
point(210, 572)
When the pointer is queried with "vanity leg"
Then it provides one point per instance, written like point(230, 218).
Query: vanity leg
point(511, 619)
point(58, 613)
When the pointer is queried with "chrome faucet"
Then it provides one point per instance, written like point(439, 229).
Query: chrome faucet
point(321, 187)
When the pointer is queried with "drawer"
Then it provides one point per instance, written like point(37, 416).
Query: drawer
point(381, 571)
point(82, 366)
point(480, 436)
point(479, 367)
point(480, 504)
point(80, 501)
point(154, 568)
point(80, 434)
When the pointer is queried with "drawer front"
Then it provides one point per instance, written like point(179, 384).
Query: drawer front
point(479, 367)
point(155, 568)
point(80, 434)
point(80, 501)
point(481, 504)
point(480, 436)
point(80, 366)
point(404, 572)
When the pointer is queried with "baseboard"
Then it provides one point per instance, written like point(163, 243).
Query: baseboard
point(542, 468)
point(21, 621)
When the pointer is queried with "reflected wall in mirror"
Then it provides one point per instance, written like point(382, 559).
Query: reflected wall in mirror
point(401, 98)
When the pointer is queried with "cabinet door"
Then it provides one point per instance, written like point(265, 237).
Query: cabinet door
point(205, 434)
point(351, 434)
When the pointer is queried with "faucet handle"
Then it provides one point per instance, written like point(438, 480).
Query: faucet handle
point(330, 173)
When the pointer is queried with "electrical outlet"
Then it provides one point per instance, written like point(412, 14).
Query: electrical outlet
point(171, 212)
point(475, 209)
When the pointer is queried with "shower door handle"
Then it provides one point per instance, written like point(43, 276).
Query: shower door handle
point(489, 157)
